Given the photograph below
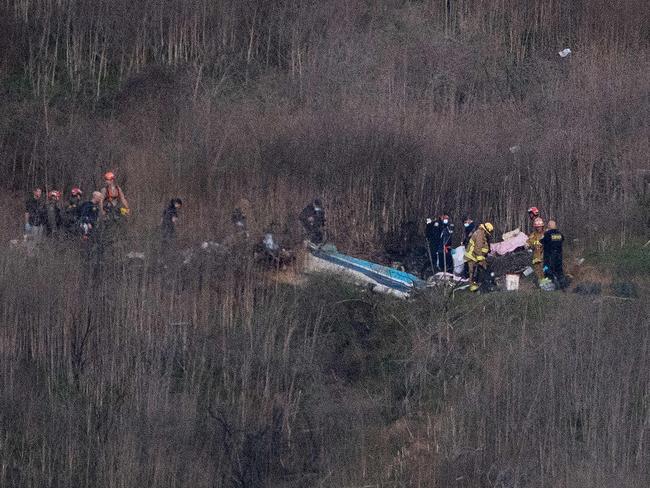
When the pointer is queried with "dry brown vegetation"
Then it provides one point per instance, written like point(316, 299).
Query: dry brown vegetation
point(389, 110)
point(120, 373)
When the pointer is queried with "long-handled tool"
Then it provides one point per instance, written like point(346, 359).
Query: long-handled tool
point(433, 270)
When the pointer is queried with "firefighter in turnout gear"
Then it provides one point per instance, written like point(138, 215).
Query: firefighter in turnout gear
point(476, 254)
point(533, 213)
point(114, 201)
point(535, 245)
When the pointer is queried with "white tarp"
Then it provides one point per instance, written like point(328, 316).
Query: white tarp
point(458, 256)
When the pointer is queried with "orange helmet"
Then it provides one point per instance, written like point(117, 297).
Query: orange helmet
point(76, 192)
point(538, 222)
point(54, 194)
point(109, 176)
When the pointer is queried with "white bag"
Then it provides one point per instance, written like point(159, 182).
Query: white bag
point(458, 256)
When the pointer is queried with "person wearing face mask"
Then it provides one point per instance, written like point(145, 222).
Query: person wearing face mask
point(443, 260)
point(433, 235)
point(468, 227)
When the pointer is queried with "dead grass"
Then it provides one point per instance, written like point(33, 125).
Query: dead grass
point(122, 373)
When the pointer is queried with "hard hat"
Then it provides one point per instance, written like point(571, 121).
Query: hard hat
point(488, 227)
point(538, 222)
point(76, 192)
point(109, 176)
point(533, 210)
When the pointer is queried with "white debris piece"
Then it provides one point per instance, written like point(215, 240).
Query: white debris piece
point(515, 149)
point(512, 282)
point(564, 52)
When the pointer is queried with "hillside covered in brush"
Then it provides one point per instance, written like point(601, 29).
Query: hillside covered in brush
point(209, 370)
point(388, 110)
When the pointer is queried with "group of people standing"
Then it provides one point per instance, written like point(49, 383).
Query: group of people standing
point(439, 234)
point(545, 244)
point(48, 215)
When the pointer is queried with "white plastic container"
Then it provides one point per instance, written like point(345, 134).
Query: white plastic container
point(512, 282)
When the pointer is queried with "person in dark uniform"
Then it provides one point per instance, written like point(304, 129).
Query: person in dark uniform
point(169, 219)
point(444, 261)
point(439, 234)
point(312, 218)
point(468, 227)
point(35, 215)
point(71, 211)
point(552, 243)
point(239, 222)
point(434, 238)
point(89, 213)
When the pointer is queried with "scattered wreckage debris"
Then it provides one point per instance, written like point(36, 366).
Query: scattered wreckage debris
point(378, 278)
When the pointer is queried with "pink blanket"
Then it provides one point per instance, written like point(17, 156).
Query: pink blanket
point(507, 246)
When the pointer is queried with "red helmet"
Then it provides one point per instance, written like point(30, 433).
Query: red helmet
point(76, 192)
point(54, 194)
point(538, 222)
point(533, 211)
point(109, 176)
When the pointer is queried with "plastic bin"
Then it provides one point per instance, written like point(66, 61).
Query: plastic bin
point(512, 282)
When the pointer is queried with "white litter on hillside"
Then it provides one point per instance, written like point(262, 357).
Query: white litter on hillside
point(512, 282)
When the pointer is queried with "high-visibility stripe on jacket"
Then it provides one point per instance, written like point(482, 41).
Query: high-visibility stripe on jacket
point(478, 247)
point(535, 243)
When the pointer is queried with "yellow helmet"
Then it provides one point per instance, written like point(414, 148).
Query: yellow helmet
point(488, 227)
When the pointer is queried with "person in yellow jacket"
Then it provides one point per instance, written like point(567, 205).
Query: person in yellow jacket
point(477, 251)
point(534, 243)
